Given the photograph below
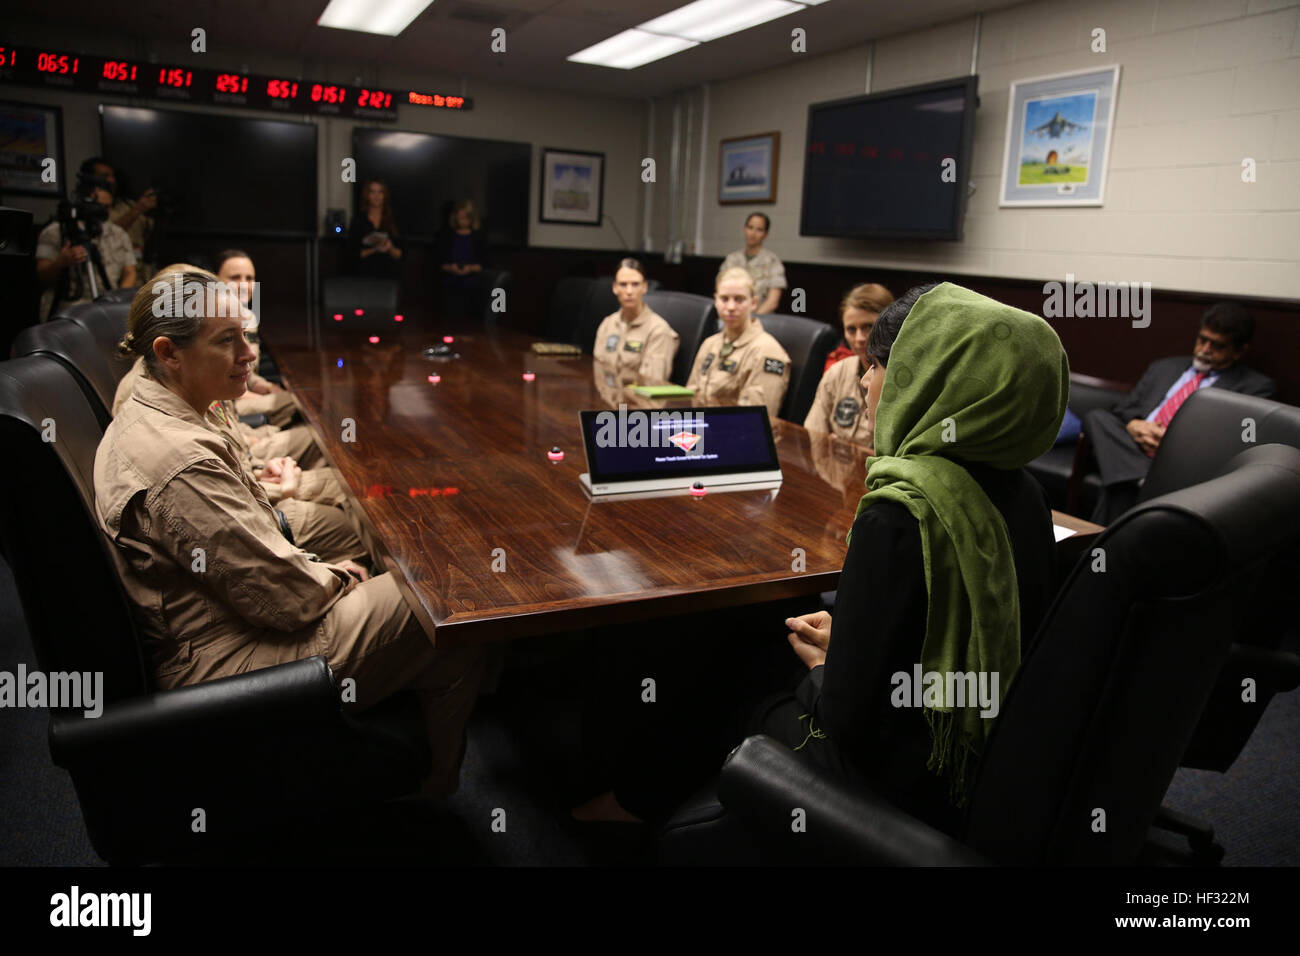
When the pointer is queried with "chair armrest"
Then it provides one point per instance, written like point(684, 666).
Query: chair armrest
point(255, 421)
point(763, 782)
point(262, 702)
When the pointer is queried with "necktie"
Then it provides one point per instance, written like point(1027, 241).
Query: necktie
point(1166, 413)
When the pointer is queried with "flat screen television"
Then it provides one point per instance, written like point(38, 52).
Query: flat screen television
point(875, 165)
point(216, 174)
point(426, 173)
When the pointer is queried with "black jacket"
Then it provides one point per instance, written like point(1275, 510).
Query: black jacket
point(1162, 373)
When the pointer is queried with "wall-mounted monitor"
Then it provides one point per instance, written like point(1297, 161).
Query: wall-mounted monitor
point(216, 174)
point(892, 165)
point(426, 173)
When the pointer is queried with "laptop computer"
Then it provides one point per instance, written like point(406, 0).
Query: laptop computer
point(637, 450)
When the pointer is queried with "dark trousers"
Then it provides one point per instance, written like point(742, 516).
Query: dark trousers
point(1122, 464)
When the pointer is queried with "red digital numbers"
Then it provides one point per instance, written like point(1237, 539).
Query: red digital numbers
point(896, 153)
point(321, 93)
point(281, 89)
point(120, 71)
point(231, 83)
point(8, 57)
point(375, 99)
point(57, 63)
point(175, 77)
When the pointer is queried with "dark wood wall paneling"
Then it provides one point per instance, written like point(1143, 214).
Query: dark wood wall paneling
point(1105, 347)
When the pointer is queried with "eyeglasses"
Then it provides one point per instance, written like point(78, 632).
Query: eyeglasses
point(1218, 345)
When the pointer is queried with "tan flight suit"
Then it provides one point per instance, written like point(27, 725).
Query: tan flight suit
point(755, 372)
point(316, 514)
point(264, 442)
point(639, 352)
point(841, 404)
point(218, 591)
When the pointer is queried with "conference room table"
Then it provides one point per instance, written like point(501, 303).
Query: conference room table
point(449, 462)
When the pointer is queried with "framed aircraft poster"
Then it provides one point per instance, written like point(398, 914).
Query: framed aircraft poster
point(1058, 139)
point(747, 168)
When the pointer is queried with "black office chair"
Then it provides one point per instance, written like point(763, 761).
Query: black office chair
point(73, 346)
point(1211, 427)
point(262, 754)
point(1063, 471)
point(568, 303)
point(341, 295)
point(1102, 708)
point(807, 342)
point(691, 317)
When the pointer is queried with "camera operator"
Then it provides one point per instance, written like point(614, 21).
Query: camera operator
point(132, 216)
point(81, 255)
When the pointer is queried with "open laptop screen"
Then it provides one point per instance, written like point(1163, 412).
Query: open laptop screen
point(639, 445)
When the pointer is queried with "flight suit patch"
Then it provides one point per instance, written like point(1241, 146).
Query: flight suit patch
point(631, 346)
point(611, 343)
point(775, 366)
point(708, 360)
point(846, 412)
point(730, 365)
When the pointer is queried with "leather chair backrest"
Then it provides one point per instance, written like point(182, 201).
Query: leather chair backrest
point(77, 614)
point(692, 317)
point(105, 320)
point(1085, 398)
point(1209, 429)
point(69, 342)
point(567, 306)
point(807, 342)
point(117, 297)
point(342, 294)
point(1110, 692)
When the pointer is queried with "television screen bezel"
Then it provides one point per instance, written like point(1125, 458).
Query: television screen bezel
point(967, 84)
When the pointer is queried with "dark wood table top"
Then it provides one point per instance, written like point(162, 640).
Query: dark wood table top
point(490, 540)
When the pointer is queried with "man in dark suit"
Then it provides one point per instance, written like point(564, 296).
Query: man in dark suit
point(1126, 437)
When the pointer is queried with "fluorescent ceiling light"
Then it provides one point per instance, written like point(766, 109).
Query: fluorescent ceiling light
point(630, 49)
point(389, 17)
point(706, 20)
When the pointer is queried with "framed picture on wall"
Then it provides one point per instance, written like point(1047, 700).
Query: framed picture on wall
point(573, 187)
point(1058, 139)
point(747, 168)
point(29, 135)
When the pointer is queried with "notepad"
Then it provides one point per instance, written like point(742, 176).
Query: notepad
point(663, 391)
point(555, 348)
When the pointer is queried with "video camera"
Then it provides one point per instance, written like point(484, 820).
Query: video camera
point(82, 216)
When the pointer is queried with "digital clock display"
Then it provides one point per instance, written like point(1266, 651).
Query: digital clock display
point(33, 66)
point(375, 100)
point(175, 77)
point(120, 70)
point(62, 64)
point(282, 89)
point(231, 83)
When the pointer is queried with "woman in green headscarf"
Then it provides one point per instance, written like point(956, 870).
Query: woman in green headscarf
point(951, 561)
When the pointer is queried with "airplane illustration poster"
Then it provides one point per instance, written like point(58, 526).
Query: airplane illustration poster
point(1058, 139)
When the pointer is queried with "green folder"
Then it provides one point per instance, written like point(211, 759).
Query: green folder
point(662, 391)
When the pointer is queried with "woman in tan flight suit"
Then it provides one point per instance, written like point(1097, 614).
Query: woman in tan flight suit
point(742, 364)
point(216, 587)
point(635, 345)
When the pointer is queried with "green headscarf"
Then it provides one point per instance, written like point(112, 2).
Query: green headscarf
point(968, 380)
